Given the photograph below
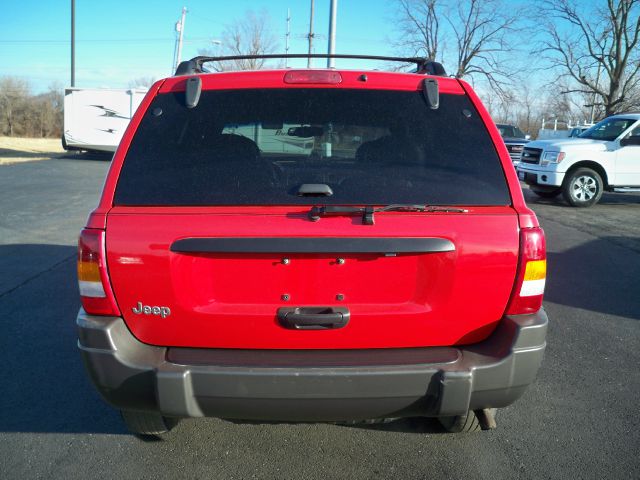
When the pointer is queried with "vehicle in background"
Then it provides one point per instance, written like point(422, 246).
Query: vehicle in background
point(95, 118)
point(515, 140)
point(606, 157)
point(577, 131)
point(561, 129)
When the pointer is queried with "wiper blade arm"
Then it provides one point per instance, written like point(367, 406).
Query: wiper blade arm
point(401, 207)
point(318, 211)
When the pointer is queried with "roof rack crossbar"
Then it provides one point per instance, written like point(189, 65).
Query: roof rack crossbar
point(423, 65)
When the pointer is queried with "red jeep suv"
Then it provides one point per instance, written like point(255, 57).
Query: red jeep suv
point(311, 245)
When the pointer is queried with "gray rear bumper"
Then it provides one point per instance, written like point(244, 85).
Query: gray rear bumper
point(131, 375)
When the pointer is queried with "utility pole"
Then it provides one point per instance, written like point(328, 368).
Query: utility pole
point(333, 12)
point(310, 37)
point(286, 37)
point(180, 30)
point(73, 43)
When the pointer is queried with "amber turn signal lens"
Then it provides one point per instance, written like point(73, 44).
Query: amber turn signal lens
point(535, 270)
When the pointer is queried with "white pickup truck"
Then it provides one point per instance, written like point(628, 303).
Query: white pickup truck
point(606, 157)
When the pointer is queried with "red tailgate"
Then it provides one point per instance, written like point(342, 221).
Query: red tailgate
point(231, 299)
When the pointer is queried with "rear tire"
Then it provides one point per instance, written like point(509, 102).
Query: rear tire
point(145, 423)
point(468, 423)
point(582, 187)
point(547, 193)
point(461, 423)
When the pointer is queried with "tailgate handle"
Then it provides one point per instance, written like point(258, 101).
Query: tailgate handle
point(313, 318)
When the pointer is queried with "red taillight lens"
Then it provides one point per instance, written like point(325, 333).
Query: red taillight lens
point(312, 76)
point(532, 273)
point(93, 280)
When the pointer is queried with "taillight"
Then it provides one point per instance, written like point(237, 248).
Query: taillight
point(93, 279)
point(532, 273)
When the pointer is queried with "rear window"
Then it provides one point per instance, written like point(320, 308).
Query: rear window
point(258, 147)
point(608, 129)
point(509, 131)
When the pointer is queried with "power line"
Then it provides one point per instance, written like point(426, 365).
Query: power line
point(103, 40)
point(206, 19)
point(169, 39)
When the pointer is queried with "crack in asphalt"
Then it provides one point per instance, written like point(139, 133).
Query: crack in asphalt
point(37, 275)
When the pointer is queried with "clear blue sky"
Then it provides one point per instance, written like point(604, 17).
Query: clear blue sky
point(120, 40)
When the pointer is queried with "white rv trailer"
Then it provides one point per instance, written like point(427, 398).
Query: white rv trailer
point(96, 118)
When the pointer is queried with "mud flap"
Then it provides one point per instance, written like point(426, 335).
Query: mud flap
point(455, 393)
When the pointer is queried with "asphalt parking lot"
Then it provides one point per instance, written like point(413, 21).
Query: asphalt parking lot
point(579, 420)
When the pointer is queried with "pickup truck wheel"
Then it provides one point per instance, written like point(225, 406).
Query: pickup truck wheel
point(582, 187)
point(145, 423)
point(547, 193)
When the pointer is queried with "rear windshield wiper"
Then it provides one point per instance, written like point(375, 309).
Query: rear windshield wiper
point(404, 207)
point(318, 211)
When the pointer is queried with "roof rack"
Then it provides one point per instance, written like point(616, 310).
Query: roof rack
point(423, 65)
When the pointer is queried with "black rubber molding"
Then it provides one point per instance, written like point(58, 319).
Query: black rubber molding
point(382, 245)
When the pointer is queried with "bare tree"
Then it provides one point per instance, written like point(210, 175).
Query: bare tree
point(482, 34)
point(419, 28)
point(597, 50)
point(250, 35)
point(24, 114)
point(51, 116)
point(142, 82)
point(483, 31)
point(526, 117)
point(14, 93)
point(581, 105)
